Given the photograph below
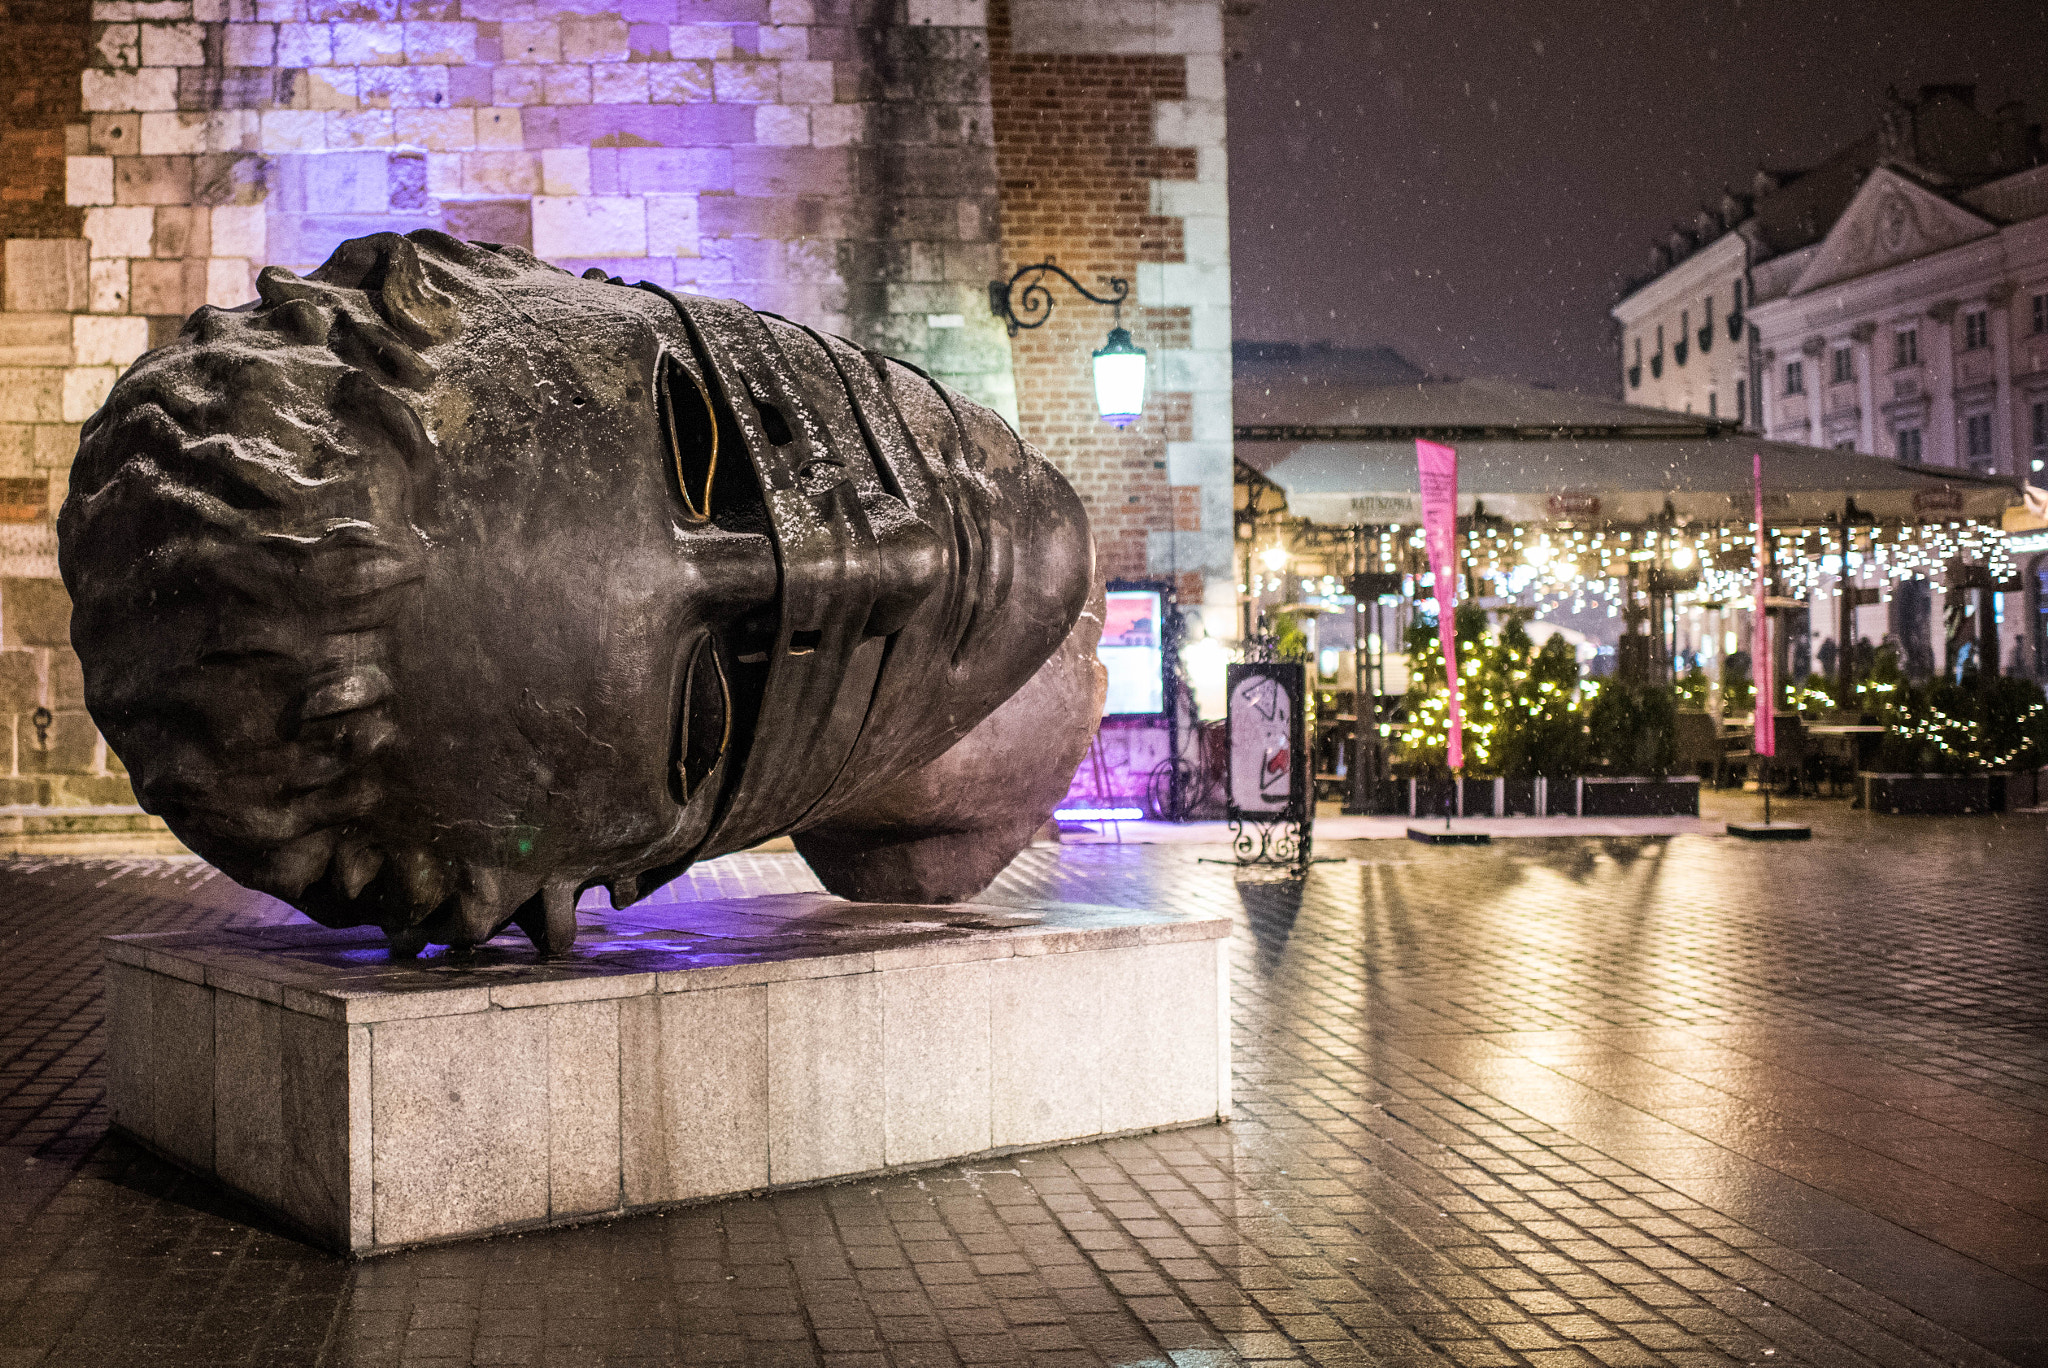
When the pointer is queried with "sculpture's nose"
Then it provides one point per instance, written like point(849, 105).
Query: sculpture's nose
point(912, 562)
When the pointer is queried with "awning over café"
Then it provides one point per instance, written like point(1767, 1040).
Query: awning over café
point(1345, 455)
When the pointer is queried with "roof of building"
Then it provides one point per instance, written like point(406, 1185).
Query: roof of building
point(1528, 451)
point(1274, 403)
point(1316, 365)
point(1940, 139)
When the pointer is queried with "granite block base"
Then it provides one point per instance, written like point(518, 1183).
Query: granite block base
point(1431, 835)
point(1771, 831)
point(683, 1052)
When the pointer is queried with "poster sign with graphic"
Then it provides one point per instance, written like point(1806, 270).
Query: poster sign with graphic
point(1133, 650)
point(1269, 778)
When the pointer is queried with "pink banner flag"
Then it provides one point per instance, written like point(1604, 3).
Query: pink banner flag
point(1766, 742)
point(1439, 469)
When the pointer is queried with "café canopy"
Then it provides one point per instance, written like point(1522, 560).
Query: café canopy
point(1561, 496)
point(1533, 455)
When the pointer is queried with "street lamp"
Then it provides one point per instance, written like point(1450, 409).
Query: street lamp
point(1120, 379)
point(1119, 363)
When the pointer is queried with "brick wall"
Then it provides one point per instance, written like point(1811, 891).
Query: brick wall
point(42, 52)
point(1109, 145)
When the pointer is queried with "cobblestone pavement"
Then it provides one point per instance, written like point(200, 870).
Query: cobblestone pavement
point(1560, 1102)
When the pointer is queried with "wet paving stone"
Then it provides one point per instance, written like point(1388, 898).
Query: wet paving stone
point(1605, 1101)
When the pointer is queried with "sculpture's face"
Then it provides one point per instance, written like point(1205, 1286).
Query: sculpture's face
point(441, 581)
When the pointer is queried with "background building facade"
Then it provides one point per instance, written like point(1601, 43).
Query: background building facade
point(868, 166)
point(1896, 303)
point(1685, 337)
point(1875, 292)
point(1917, 328)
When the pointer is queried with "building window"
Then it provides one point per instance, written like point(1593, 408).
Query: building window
point(2040, 442)
point(1976, 330)
point(1713, 409)
point(1905, 348)
point(1741, 401)
point(2041, 313)
point(1909, 445)
point(1977, 438)
point(1795, 377)
point(1845, 366)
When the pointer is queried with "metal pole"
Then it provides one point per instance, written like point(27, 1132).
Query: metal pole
point(1169, 639)
point(1245, 633)
point(1365, 710)
point(1845, 621)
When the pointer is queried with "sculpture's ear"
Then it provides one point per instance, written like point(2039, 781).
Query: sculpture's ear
point(412, 303)
point(387, 268)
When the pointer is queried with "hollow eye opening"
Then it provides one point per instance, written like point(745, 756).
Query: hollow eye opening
point(705, 728)
point(691, 428)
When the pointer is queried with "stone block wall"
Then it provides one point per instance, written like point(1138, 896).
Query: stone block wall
point(1110, 145)
point(831, 160)
point(863, 165)
point(827, 159)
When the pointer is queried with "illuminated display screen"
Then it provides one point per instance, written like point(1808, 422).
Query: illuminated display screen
point(1131, 653)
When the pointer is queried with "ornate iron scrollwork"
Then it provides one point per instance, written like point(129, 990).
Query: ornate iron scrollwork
point(1031, 307)
point(1281, 841)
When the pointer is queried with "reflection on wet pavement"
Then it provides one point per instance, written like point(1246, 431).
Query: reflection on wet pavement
point(1624, 1100)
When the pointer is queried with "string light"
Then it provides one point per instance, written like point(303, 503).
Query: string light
point(1547, 568)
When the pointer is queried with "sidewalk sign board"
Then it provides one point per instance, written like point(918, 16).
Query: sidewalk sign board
point(1268, 771)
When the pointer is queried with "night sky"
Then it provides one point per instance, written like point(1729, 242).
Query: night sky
point(1472, 183)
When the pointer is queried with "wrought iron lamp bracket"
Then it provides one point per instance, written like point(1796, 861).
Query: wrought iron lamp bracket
point(1035, 301)
point(1281, 842)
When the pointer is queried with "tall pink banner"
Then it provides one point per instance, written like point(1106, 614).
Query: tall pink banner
point(1439, 468)
point(1766, 742)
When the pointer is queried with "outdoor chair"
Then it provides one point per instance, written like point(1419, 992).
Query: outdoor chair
point(1789, 762)
point(1696, 743)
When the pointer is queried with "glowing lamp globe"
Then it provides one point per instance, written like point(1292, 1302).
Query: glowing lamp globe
point(1120, 379)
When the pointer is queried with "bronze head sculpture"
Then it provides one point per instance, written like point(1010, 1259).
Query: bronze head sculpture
point(440, 585)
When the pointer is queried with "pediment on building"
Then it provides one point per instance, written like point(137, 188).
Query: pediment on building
point(1892, 219)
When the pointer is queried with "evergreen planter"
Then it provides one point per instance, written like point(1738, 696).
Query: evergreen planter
point(1601, 796)
point(1430, 795)
point(1638, 796)
point(1932, 795)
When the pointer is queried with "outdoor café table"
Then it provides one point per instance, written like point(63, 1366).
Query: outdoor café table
point(1851, 742)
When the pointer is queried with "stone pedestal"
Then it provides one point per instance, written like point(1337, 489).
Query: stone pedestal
point(685, 1051)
